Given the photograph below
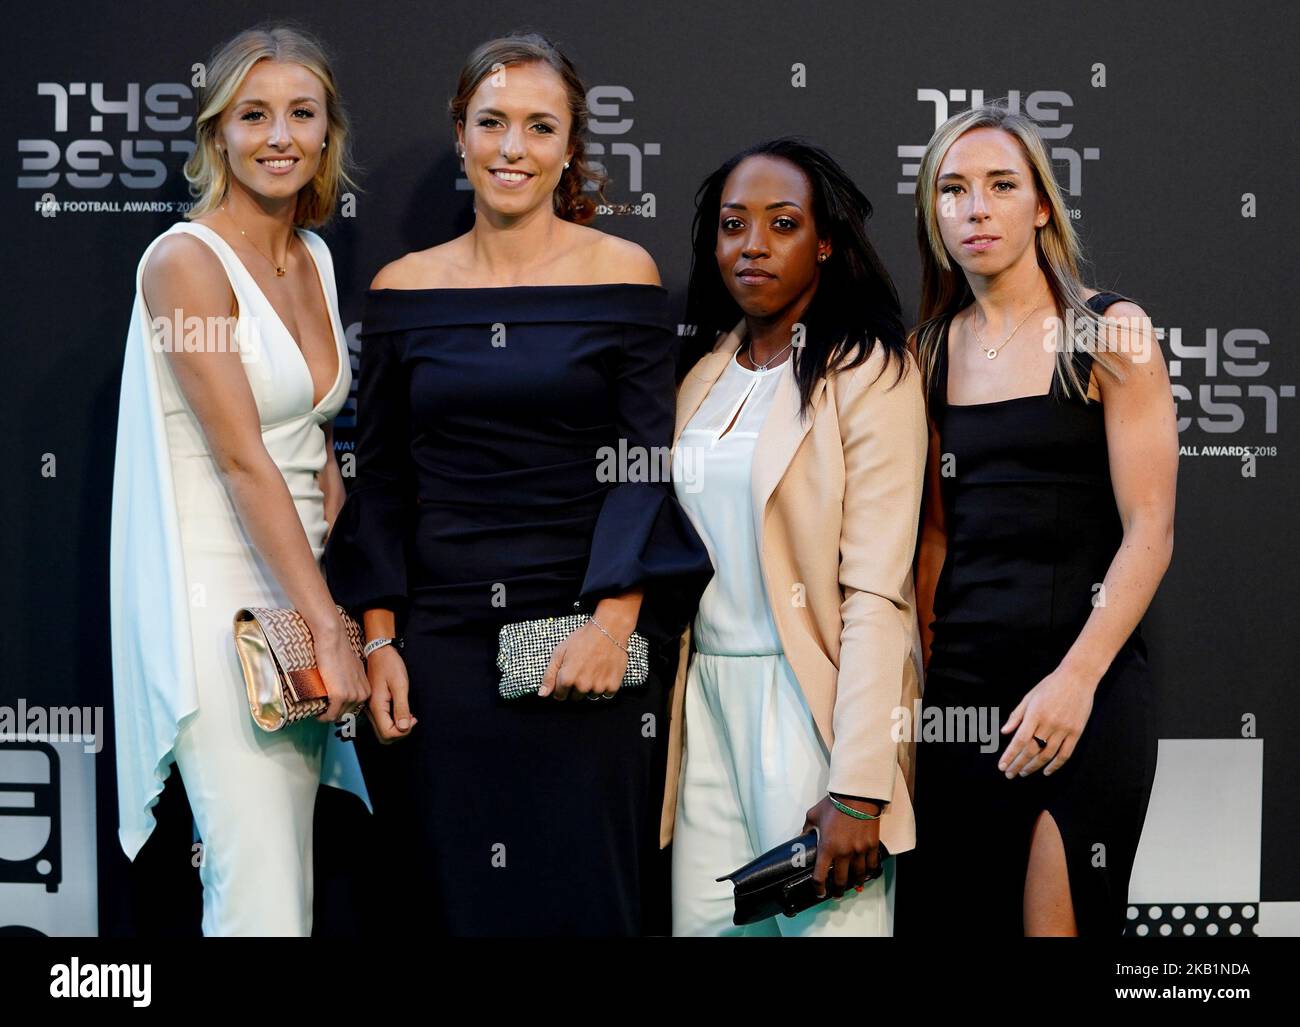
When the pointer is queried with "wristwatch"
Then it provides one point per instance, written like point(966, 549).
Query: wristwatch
point(379, 643)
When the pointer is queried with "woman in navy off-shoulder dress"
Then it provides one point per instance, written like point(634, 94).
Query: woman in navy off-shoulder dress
point(486, 417)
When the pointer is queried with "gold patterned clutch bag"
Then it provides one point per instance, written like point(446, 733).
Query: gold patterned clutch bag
point(525, 648)
point(278, 658)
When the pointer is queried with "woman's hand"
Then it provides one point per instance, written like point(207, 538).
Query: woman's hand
point(345, 680)
point(586, 663)
point(389, 709)
point(1056, 711)
point(847, 848)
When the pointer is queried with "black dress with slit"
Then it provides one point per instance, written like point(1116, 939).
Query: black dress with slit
point(1032, 527)
point(490, 488)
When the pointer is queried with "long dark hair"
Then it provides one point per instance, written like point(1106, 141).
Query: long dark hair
point(855, 306)
point(522, 48)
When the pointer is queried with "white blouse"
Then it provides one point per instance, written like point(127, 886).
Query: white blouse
point(716, 450)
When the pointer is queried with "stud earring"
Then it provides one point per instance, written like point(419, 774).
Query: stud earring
point(821, 257)
point(566, 165)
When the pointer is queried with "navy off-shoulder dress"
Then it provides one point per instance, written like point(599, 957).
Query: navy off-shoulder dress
point(486, 421)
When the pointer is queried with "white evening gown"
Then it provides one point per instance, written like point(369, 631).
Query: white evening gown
point(180, 565)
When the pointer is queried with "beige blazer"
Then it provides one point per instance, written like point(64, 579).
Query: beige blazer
point(839, 496)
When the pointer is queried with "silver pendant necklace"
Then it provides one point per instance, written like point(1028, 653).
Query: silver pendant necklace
point(749, 348)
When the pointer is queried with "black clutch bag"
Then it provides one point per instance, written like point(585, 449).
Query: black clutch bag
point(780, 880)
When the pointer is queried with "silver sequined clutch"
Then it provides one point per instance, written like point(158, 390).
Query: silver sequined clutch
point(525, 649)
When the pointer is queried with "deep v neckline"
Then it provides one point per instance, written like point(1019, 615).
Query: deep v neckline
point(302, 357)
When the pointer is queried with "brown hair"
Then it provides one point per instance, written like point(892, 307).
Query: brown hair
point(207, 171)
point(571, 204)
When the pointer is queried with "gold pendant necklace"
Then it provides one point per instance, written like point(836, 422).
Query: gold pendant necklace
point(279, 268)
point(991, 353)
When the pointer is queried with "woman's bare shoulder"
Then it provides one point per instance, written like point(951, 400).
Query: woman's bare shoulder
point(184, 272)
point(432, 268)
point(1118, 309)
point(618, 260)
point(179, 251)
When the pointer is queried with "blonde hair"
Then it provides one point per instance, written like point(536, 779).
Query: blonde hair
point(944, 289)
point(207, 170)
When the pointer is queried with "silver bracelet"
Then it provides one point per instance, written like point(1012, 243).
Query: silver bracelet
point(609, 636)
point(379, 643)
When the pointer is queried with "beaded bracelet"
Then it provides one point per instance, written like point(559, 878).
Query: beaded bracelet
point(856, 814)
point(379, 643)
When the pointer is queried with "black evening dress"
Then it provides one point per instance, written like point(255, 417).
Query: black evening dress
point(483, 495)
point(1032, 527)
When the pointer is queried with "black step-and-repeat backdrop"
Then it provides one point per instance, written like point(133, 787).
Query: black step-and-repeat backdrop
point(1171, 130)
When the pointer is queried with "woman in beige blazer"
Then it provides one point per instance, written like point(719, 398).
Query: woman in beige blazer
point(799, 455)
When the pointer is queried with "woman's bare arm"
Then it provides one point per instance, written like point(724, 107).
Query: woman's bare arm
point(184, 278)
point(1142, 442)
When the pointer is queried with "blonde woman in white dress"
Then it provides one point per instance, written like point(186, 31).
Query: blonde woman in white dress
point(225, 484)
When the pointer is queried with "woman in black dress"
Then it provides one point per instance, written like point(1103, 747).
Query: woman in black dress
point(1048, 525)
point(498, 373)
